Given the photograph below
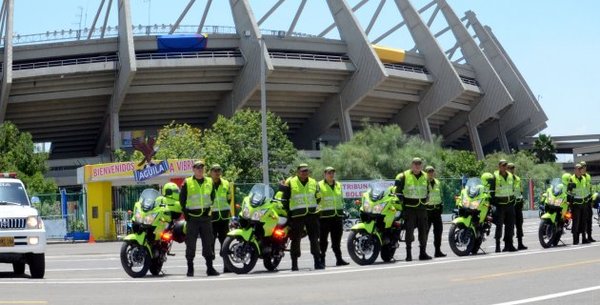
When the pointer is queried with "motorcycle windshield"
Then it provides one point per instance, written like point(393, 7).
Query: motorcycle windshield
point(474, 187)
point(148, 198)
point(259, 193)
point(377, 190)
point(556, 186)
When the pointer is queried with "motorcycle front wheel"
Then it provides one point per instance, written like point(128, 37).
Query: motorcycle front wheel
point(387, 253)
point(156, 266)
point(461, 239)
point(134, 259)
point(363, 247)
point(546, 234)
point(239, 256)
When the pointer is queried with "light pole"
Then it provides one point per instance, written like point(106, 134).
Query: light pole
point(263, 112)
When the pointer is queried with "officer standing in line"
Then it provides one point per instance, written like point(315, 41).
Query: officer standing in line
point(501, 188)
point(412, 191)
point(331, 221)
point(519, 202)
point(299, 199)
point(435, 207)
point(576, 197)
point(196, 199)
point(588, 202)
point(221, 208)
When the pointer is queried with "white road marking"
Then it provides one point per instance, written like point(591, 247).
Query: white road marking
point(551, 296)
point(286, 274)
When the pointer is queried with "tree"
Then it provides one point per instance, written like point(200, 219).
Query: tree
point(458, 163)
point(544, 149)
point(17, 155)
point(235, 143)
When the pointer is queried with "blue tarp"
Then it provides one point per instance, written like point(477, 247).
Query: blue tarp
point(181, 43)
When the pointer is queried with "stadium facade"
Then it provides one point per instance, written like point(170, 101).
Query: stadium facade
point(89, 92)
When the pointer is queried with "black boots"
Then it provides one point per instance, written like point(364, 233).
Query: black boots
point(339, 261)
point(439, 253)
point(190, 271)
point(575, 239)
point(521, 246)
point(294, 263)
point(508, 247)
point(590, 239)
point(498, 246)
point(210, 271)
point(319, 262)
point(423, 255)
point(408, 254)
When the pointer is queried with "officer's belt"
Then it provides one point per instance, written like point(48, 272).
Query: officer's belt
point(199, 212)
point(504, 200)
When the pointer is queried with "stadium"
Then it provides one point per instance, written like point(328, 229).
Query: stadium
point(83, 93)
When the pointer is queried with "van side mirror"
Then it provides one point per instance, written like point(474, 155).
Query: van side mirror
point(35, 200)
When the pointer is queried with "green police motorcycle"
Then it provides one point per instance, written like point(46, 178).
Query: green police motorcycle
point(153, 234)
point(380, 227)
point(557, 217)
point(473, 221)
point(262, 233)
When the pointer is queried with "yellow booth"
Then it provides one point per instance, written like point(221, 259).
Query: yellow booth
point(98, 180)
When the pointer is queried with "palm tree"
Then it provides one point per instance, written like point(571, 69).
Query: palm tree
point(544, 149)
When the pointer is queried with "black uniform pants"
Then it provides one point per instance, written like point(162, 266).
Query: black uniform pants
point(416, 218)
point(220, 229)
point(589, 217)
point(434, 218)
point(297, 225)
point(199, 226)
point(579, 211)
point(519, 217)
point(334, 226)
point(505, 216)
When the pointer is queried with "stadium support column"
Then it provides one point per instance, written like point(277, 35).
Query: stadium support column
point(369, 74)
point(127, 69)
point(526, 106)
point(496, 95)
point(502, 137)
point(475, 140)
point(247, 81)
point(447, 85)
point(8, 57)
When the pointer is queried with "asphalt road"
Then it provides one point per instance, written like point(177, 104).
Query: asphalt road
point(92, 274)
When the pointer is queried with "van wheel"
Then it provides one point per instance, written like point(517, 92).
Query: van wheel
point(18, 268)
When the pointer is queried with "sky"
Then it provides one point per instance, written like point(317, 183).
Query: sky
point(555, 44)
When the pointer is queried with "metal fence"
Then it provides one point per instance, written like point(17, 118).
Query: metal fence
point(61, 219)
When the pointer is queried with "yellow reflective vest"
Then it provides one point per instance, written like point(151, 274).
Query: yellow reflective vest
point(198, 196)
point(435, 194)
point(303, 198)
point(505, 187)
point(221, 208)
point(332, 201)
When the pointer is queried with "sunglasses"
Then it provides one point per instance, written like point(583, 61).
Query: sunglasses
point(304, 170)
point(199, 167)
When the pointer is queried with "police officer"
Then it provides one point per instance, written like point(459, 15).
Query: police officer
point(299, 198)
point(519, 202)
point(435, 206)
point(576, 197)
point(331, 221)
point(221, 208)
point(501, 187)
point(412, 191)
point(588, 202)
point(196, 201)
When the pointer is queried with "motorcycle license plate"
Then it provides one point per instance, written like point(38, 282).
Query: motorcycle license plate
point(7, 241)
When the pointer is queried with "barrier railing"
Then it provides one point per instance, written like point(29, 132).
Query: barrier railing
point(309, 56)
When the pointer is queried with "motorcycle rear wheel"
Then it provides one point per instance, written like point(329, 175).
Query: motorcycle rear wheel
point(461, 239)
point(134, 259)
point(271, 262)
point(546, 234)
point(363, 247)
point(239, 256)
point(387, 253)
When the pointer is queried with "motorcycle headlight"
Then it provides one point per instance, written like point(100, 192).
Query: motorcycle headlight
point(258, 214)
point(366, 207)
point(378, 208)
point(34, 222)
point(246, 212)
point(149, 219)
point(475, 204)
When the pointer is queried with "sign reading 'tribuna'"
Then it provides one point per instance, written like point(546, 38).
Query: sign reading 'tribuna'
point(148, 169)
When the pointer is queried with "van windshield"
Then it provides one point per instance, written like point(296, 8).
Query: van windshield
point(13, 193)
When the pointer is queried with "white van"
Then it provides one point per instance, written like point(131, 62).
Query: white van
point(22, 233)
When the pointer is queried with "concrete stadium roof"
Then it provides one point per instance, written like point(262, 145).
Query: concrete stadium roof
point(80, 94)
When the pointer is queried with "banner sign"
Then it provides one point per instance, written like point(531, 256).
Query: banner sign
point(355, 189)
point(151, 171)
point(129, 170)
